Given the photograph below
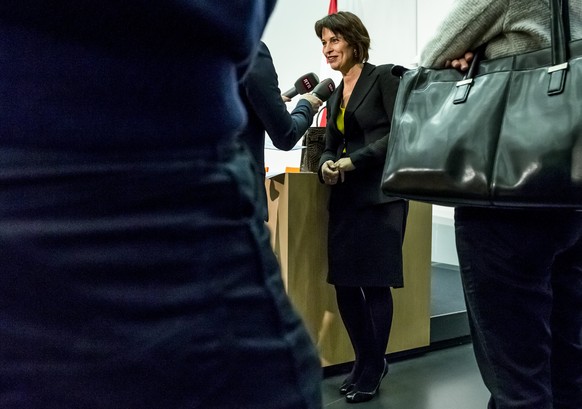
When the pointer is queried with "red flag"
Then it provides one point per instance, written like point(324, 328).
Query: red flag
point(332, 7)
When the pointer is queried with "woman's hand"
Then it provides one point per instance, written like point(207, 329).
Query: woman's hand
point(330, 173)
point(461, 63)
point(344, 165)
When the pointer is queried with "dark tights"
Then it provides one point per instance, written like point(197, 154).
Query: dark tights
point(367, 315)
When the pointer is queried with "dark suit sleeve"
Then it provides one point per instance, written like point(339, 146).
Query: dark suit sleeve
point(262, 90)
point(375, 152)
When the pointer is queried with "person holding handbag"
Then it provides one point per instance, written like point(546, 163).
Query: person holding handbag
point(366, 228)
point(521, 268)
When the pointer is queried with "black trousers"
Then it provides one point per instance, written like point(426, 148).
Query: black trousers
point(522, 277)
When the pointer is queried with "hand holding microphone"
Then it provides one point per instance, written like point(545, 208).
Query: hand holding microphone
point(314, 101)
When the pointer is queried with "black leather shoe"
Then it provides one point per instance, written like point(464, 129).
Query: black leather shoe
point(350, 381)
point(346, 387)
point(357, 396)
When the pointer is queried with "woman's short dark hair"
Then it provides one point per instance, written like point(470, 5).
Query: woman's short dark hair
point(351, 28)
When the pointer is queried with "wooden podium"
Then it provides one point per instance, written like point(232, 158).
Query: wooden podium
point(298, 222)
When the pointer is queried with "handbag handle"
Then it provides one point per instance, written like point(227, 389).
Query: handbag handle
point(465, 84)
point(559, 63)
point(558, 35)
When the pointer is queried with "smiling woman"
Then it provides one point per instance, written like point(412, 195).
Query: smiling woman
point(366, 228)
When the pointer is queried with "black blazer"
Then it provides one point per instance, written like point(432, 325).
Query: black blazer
point(367, 129)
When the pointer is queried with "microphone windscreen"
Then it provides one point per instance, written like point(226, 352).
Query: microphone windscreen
point(304, 84)
point(324, 89)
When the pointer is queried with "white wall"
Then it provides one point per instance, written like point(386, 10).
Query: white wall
point(296, 50)
point(430, 15)
point(398, 31)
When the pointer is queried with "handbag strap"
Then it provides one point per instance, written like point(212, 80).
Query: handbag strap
point(559, 47)
point(465, 84)
point(559, 51)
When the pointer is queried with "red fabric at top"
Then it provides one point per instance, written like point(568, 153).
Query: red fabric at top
point(332, 7)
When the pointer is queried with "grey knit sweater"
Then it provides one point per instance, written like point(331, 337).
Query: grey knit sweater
point(508, 26)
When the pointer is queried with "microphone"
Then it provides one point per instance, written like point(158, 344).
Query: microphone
point(304, 84)
point(324, 89)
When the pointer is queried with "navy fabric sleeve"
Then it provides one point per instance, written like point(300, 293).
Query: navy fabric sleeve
point(71, 61)
point(171, 25)
point(262, 90)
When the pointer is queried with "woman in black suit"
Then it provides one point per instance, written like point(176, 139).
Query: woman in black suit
point(366, 228)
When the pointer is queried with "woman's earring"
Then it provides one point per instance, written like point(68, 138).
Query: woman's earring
point(355, 53)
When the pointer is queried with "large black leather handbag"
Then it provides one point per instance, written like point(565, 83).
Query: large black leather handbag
point(508, 134)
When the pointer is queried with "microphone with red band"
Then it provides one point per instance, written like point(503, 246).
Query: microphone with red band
point(303, 85)
point(324, 89)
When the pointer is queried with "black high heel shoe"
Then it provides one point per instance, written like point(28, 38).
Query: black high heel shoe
point(357, 396)
point(346, 386)
point(350, 382)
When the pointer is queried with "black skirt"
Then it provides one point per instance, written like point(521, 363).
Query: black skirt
point(365, 245)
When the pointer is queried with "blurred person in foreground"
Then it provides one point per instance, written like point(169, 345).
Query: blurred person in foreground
point(521, 269)
point(136, 270)
point(366, 228)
